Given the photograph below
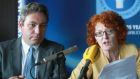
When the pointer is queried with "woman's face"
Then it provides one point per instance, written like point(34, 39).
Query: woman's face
point(105, 37)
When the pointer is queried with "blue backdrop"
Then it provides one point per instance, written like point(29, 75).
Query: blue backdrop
point(68, 19)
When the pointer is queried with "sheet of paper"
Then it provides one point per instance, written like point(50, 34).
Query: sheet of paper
point(120, 69)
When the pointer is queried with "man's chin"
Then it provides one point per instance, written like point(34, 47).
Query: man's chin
point(35, 42)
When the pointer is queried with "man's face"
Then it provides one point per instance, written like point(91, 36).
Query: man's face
point(33, 28)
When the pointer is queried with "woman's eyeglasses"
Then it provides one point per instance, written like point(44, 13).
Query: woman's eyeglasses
point(101, 33)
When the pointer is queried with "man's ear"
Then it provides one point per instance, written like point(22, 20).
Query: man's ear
point(20, 24)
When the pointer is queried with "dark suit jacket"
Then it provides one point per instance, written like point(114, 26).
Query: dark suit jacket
point(11, 60)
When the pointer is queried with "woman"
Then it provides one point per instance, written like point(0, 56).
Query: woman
point(107, 30)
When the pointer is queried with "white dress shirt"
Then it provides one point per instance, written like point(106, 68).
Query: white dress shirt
point(25, 48)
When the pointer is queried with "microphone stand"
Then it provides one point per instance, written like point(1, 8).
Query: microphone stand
point(57, 57)
point(84, 70)
point(31, 71)
point(59, 64)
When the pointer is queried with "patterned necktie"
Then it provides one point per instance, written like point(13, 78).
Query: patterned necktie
point(30, 61)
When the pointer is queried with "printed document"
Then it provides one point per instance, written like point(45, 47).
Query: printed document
point(120, 69)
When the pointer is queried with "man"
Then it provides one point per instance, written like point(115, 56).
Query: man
point(14, 53)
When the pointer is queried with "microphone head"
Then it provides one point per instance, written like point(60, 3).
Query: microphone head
point(71, 49)
point(90, 53)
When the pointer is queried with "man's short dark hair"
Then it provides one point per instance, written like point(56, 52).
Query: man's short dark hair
point(32, 8)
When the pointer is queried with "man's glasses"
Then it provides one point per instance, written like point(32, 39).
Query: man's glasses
point(101, 33)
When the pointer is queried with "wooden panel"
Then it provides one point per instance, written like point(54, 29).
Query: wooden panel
point(8, 19)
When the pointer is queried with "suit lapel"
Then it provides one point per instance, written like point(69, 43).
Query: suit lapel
point(42, 69)
point(16, 57)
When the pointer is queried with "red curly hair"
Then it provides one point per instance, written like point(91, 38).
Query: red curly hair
point(111, 20)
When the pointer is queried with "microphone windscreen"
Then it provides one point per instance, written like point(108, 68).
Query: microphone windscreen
point(71, 49)
point(90, 53)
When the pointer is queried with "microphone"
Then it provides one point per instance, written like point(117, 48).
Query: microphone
point(58, 55)
point(89, 55)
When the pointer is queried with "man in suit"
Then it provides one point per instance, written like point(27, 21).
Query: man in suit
point(13, 53)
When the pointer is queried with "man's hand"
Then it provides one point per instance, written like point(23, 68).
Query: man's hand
point(17, 77)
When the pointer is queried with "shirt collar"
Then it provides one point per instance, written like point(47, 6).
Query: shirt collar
point(25, 46)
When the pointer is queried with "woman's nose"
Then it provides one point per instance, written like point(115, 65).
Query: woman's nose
point(105, 35)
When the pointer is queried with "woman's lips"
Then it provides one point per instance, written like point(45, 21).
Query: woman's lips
point(106, 42)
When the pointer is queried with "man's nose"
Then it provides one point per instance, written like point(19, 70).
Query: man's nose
point(37, 29)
